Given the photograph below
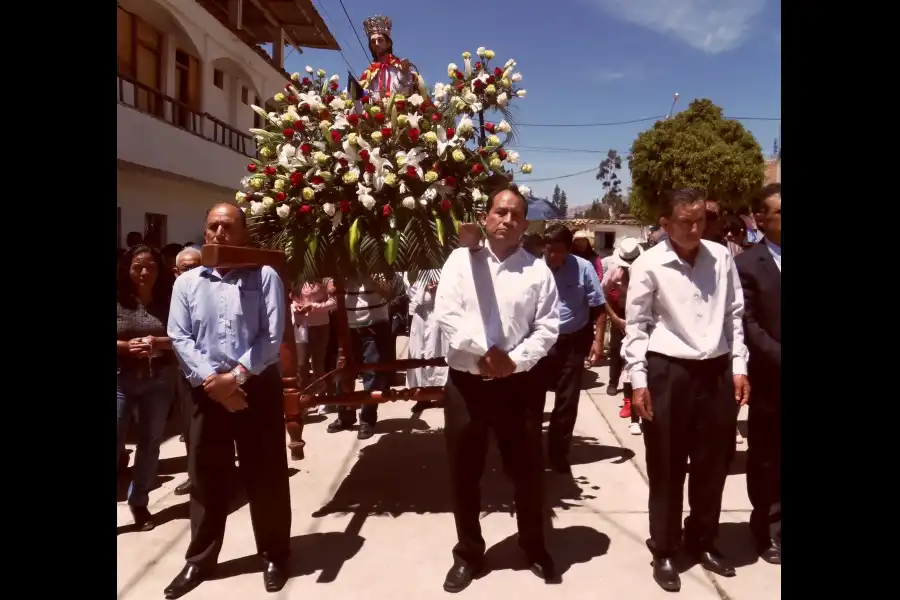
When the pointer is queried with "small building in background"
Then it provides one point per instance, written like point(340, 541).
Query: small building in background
point(773, 171)
point(607, 232)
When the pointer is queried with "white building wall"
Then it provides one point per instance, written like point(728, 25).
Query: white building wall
point(182, 201)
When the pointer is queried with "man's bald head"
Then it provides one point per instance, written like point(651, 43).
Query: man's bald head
point(226, 224)
point(187, 259)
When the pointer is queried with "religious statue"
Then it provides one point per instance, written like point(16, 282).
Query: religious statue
point(387, 74)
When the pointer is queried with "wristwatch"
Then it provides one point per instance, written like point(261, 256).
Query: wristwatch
point(240, 375)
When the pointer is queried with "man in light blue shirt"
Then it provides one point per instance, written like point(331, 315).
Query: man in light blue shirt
point(226, 327)
point(582, 326)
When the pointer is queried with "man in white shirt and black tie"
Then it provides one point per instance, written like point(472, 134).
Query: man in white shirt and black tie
point(684, 349)
point(498, 308)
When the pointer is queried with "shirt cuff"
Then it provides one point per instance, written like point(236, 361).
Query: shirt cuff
point(738, 365)
point(200, 375)
point(638, 379)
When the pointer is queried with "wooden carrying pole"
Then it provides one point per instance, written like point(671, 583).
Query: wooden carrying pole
point(320, 391)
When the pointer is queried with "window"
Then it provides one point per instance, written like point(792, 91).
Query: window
point(187, 88)
point(219, 79)
point(140, 58)
point(245, 95)
point(606, 239)
point(155, 230)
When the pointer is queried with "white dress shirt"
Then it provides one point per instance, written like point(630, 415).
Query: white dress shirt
point(775, 251)
point(482, 302)
point(683, 311)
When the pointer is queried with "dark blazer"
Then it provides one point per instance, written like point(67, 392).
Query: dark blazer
point(761, 281)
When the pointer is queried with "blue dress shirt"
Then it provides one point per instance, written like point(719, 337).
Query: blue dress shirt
point(219, 321)
point(579, 290)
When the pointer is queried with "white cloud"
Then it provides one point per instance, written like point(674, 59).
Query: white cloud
point(607, 75)
point(712, 26)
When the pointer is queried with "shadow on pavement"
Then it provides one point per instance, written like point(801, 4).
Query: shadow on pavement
point(324, 552)
point(737, 544)
point(568, 546)
point(738, 463)
point(742, 427)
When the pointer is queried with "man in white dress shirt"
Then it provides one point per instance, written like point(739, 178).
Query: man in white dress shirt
point(497, 307)
point(684, 349)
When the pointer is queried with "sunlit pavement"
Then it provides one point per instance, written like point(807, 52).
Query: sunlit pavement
point(372, 520)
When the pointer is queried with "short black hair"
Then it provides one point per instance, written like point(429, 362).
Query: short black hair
point(171, 250)
point(758, 200)
point(242, 218)
point(507, 187)
point(559, 233)
point(734, 225)
point(134, 237)
point(680, 196)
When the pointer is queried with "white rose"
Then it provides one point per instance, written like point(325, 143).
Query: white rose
point(451, 69)
point(328, 207)
point(368, 202)
point(416, 100)
point(481, 50)
point(408, 202)
point(335, 78)
point(504, 127)
point(503, 99)
point(522, 93)
point(309, 69)
point(257, 208)
point(516, 77)
point(283, 211)
point(525, 190)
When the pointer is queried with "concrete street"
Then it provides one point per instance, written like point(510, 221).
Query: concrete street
point(372, 520)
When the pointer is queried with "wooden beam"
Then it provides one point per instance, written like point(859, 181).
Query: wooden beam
point(278, 47)
point(236, 13)
point(277, 24)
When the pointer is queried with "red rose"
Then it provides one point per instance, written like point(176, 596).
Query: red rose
point(401, 105)
point(296, 178)
point(386, 131)
point(380, 117)
point(305, 148)
point(306, 81)
point(489, 126)
point(280, 196)
point(459, 75)
point(329, 98)
point(304, 208)
point(478, 85)
point(336, 135)
point(270, 171)
point(353, 119)
point(287, 132)
point(287, 86)
point(414, 134)
point(498, 72)
point(251, 167)
point(370, 168)
point(450, 181)
point(477, 168)
point(491, 80)
point(478, 65)
point(445, 204)
point(411, 172)
point(333, 86)
point(364, 100)
point(343, 162)
point(502, 154)
point(345, 206)
point(304, 107)
point(436, 117)
point(386, 210)
point(364, 154)
point(482, 152)
point(459, 87)
point(451, 132)
point(317, 180)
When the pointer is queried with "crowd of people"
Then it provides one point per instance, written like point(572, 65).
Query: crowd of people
point(693, 316)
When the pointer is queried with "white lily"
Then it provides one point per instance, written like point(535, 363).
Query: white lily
point(337, 104)
point(413, 120)
point(351, 152)
point(381, 165)
point(312, 99)
point(516, 77)
point(465, 127)
point(340, 122)
point(472, 100)
point(334, 79)
point(412, 159)
point(442, 142)
point(441, 91)
point(292, 114)
point(512, 156)
point(502, 99)
point(504, 127)
point(286, 155)
point(365, 198)
point(468, 63)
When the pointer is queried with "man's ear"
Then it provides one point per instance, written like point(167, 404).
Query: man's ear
point(480, 217)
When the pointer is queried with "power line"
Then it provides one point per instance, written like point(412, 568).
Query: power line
point(353, 27)
point(591, 170)
point(564, 150)
point(630, 121)
point(334, 26)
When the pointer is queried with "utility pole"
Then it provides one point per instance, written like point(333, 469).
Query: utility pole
point(671, 108)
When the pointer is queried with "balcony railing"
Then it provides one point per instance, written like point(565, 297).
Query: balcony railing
point(141, 97)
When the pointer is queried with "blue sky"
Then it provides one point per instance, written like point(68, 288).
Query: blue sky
point(587, 61)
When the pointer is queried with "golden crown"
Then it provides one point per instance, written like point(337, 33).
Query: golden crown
point(377, 24)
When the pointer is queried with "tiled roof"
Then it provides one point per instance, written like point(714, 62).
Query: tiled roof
point(628, 220)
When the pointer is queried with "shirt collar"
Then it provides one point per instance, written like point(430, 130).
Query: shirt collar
point(773, 246)
point(669, 255)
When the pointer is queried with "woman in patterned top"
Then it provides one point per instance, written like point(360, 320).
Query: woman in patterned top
point(145, 367)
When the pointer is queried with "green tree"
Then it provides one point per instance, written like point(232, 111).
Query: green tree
point(554, 200)
point(608, 175)
point(696, 148)
point(563, 204)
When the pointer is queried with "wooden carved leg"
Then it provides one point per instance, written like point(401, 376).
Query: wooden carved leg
point(294, 408)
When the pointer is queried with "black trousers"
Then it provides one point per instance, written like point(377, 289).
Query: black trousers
point(694, 418)
point(616, 363)
point(764, 463)
point(185, 406)
point(371, 344)
point(258, 431)
point(563, 368)
point(507, 407)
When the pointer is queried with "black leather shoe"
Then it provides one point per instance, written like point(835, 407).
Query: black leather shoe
point(712, 560)
point(546, 570)
point(183, 488)
point(190, 577)
point(666, 575)
point(460, 576)
point(365, 431)
point(771, 552)
point(340, 425)
point(143, 520)
point(275, 575)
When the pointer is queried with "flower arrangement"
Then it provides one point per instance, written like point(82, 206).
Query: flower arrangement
point(347, 186)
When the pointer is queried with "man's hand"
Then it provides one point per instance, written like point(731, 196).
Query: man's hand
point(139, 348)
point(596, 353)
point(220, 386)
point(235, 402)
point(618, 322)
point(469, 235)
point(404, 66)
point(741, 389)
point(640, 401)
point(497, 363)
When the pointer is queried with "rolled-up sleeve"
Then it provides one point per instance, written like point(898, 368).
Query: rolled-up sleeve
point(449, 312)
point(734, 319)
point(194, 363)
point(264, 350)
point(593, 287)
point(638, 317)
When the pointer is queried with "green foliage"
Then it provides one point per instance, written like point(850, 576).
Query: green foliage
point(638, 208)
point(696, 148)
point(563, 205)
